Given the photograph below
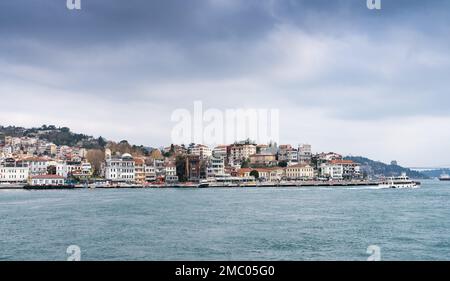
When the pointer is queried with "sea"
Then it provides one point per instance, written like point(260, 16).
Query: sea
point(221, 224)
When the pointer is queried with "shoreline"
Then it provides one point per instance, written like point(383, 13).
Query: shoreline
point(197, 186)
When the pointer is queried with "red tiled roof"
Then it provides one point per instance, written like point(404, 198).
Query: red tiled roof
point(348, 162)
point(298, 166)
point(35, 159)
point(47, 177)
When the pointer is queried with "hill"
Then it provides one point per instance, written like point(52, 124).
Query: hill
point(56, 135)
point(376, 168)
point(436, 173)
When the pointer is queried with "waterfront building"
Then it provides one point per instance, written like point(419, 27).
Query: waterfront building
point(264, 174)
point(160, 168)
point(14, 174)
point(74, 168)
point(45, 180)
point(332, 171)
point(120, 169)
point(150, 174)
point(139, 170)
point(276, 174)
point(216, 167)
point(192, 166)
point(299, 172)
point(245, 172)
point(37, 165)
point(171, 173)
point(350, 169)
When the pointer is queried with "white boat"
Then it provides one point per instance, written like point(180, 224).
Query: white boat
point(444, 177)
point(402, 181)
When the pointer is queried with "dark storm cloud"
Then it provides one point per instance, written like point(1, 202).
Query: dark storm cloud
point(337, 59)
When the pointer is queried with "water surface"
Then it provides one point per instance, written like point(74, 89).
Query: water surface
point(227, 224)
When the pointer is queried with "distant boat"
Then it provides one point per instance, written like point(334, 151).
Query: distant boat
point(444, 177)
point(399, 182)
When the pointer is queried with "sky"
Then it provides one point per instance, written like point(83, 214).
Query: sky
point(344, 78)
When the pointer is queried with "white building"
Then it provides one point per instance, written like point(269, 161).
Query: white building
point(64, 169)
point(120, 168)
point(350, 169)
point(14, 174)
point(304, 153)
point(150, 174)
point(216, 167)
point(171, 173)
point(38, 166)
point(238, 152)
point(201, 150)
point(46, 180)
point(332, 171)
point(220, 151)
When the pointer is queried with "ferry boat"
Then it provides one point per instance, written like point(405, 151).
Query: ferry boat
point(444, 177)
point(402, 181)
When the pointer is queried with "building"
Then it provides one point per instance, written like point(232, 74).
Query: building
point(201, 150)
point(14, 174)
point(350, 169)
point(299, 172)
point(74, 168)
point(304, 153)
point(121, 169)
point(46, 180)
point(240, 152)
point(264, 174)
point(139, 171)
point(332, 171)
point(220, 151)
point(51, 149)
point(276, 174)
point(160, 168)
point(171, 173)
point(38, 166)
point(286, 153)
point(283, 152)
point(150, 174)
point(262, 160)
point(216, 167)
point(193, 168)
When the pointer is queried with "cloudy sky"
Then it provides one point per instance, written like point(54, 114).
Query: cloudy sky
point(345, 78)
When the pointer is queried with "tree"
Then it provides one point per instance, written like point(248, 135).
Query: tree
point(156, 154)
point(102, 142)
point(180, 162)
point(96, 158)
point(245, 163)
point(282, 164)
point(254, 174)
point(51, 170)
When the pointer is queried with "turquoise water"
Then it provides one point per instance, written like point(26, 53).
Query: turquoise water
point(227, 224)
